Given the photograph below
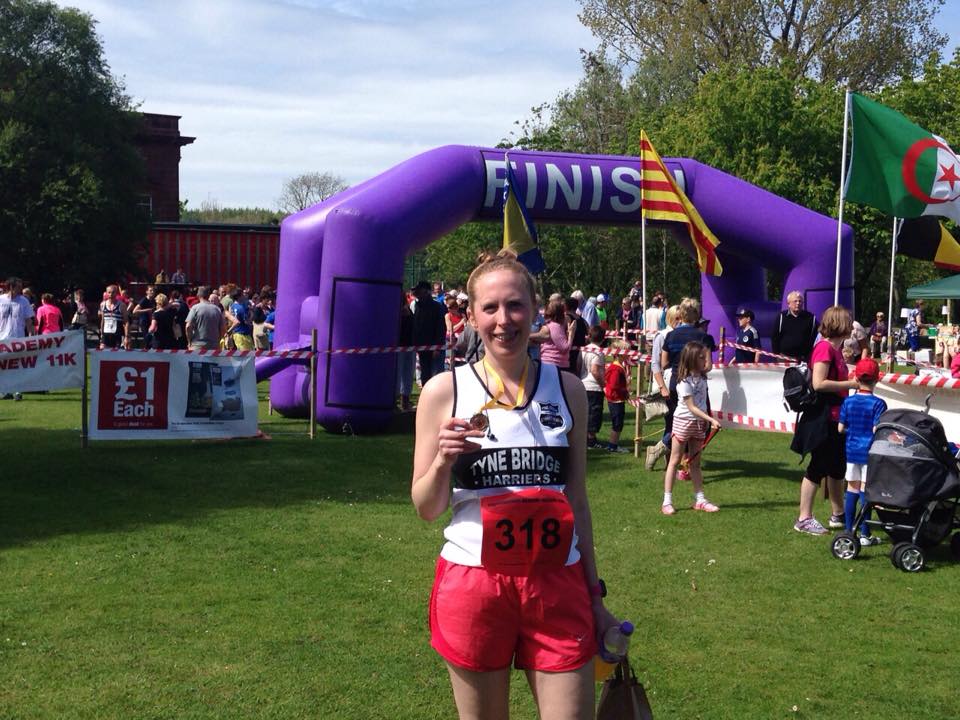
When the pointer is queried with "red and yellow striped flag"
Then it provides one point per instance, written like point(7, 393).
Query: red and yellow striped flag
point(662, 199)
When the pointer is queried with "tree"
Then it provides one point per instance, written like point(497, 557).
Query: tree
point(308, 189)
point(69, 168)
point(862, 43)
point(210, 211)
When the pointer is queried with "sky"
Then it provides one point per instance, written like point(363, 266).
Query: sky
point(275, 88)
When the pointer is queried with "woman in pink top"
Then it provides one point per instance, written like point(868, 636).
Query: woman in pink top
point(49, 317)
point(828, 459)
point(556, 350)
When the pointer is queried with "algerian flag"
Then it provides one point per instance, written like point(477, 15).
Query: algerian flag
point(897, 166)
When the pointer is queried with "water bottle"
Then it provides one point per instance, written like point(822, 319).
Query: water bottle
point(613, 648)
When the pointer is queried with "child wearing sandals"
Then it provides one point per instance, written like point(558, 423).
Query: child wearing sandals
point(690, 424)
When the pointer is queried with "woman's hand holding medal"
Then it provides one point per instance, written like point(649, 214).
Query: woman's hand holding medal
point(455, 434)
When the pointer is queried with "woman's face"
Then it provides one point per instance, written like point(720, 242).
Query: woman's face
point(502, 311)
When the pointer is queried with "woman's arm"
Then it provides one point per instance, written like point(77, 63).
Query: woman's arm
point(576, 491)
point(542, 335)
point(440, 439)
point(822, 384)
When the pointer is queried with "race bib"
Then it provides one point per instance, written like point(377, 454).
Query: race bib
point(525, 530)
point(109, 325)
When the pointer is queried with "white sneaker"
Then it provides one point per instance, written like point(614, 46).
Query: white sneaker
point(654, 453)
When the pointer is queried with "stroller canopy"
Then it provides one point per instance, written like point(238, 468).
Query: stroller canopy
point(909, 462)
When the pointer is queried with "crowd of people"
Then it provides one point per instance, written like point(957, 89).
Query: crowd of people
point(161, 316)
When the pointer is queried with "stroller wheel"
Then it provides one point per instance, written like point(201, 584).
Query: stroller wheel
point(845, 546)
point(955, 545)
point(897, 547)
point(910, 558)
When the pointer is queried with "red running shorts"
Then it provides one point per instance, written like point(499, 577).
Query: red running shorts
point(482, 621)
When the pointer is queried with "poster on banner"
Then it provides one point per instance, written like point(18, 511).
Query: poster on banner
point(171, 396)
point(52, 361)
point(752, 398)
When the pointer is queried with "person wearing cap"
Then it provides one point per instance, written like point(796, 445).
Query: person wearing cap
point(859, 416)
point(748, 336)
point(602, 318)
point(878, 335)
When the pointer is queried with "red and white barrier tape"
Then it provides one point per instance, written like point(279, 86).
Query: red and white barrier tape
point(755, 423)
point(932, 381)
point(755, 366)
point(296, 354)
point(786, 358)
point(615, 334)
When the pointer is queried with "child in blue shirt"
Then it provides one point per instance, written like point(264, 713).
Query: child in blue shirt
point(859, 416)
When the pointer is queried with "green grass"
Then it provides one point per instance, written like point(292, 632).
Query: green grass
point(289, 579)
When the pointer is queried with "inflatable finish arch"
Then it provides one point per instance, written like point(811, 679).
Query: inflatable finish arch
point(341, 262)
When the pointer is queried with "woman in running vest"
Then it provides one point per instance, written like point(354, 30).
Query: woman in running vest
point(503, 442)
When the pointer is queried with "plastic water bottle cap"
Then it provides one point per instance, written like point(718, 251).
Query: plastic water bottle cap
point(626, 627)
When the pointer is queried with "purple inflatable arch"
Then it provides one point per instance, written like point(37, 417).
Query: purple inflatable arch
point(341, 262)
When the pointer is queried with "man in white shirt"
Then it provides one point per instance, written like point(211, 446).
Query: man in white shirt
point(17, 318)
point(652, 315)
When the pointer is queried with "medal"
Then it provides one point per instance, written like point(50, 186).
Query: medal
point(479, 422)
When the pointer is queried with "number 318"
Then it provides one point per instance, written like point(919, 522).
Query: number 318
point(549, 536)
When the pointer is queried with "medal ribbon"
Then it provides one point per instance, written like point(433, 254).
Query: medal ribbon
point(494, 401)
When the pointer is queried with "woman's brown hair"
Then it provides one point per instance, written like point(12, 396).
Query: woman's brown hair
point(690, 357)
point(836, 322)
point(556, 311)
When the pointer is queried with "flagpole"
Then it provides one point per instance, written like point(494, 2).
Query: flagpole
point(843, 178)
point(643, 253)
point(893, 256)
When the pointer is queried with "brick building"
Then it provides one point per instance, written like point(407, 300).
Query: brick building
point(159, 143)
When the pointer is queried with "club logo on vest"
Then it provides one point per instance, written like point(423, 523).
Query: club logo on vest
point(550, 415)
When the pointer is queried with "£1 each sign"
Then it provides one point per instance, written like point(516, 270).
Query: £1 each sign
point(133, 395)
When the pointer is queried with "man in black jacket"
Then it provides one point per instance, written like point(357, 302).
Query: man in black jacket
point(429, 328)
point(795, 330)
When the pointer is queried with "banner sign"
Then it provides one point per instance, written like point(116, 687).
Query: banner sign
point(752, 398)
point(160, 396)
point(52, 361)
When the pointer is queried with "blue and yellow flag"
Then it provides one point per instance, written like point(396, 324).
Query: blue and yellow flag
point(519, 234)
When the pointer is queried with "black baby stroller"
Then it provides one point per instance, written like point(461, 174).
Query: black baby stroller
point(913, 487)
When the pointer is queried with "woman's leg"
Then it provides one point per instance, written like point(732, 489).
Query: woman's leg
point(565, 695)
point(481, 695)
point(808, 493)
point(835, 488)
point(676, 452)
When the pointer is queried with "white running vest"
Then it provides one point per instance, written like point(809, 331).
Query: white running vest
point(524, 448)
